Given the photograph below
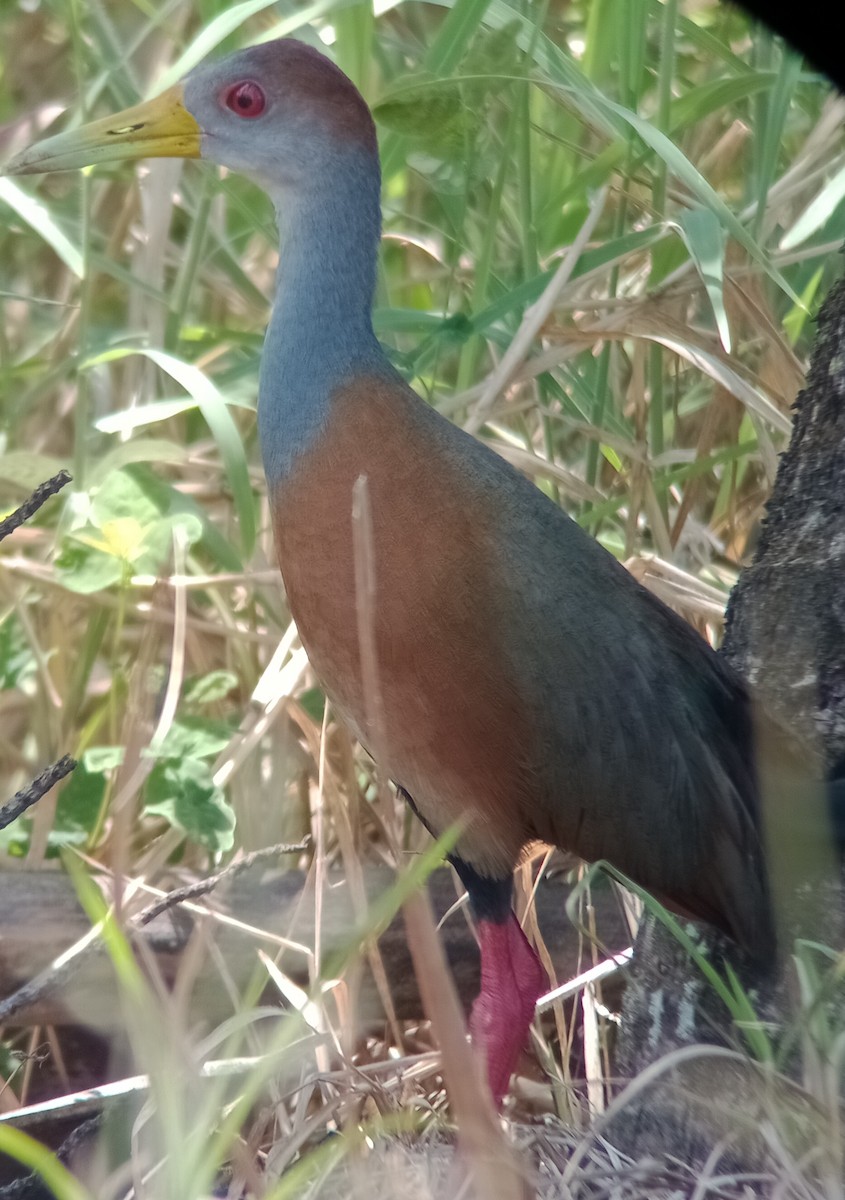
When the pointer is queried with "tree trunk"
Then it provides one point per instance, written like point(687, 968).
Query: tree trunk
point(786, 635)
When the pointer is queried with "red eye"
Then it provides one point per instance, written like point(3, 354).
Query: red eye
point(246, 99)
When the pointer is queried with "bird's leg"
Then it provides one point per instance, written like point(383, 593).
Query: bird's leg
point(512, 978)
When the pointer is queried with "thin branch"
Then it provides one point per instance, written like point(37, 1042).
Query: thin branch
point(193, 890)
point(39, 787)
point(31, 506)
point(62, 969)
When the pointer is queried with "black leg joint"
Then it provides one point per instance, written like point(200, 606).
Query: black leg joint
point(490, 898)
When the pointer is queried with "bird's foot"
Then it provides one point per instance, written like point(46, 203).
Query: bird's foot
point(512, 980)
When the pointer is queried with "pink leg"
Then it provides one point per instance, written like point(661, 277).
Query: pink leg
point(512, 979)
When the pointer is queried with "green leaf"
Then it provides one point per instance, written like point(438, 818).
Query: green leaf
point(213, 407)
point(183, 792)
point(429, 112)
point(133, 525)
point(158, 541)
point(208, 399)
point(103, 758)
point(493, 55)
point(27, 468)
point(80, 802)
point(17, 662)
point(131, 419)
point(210, 688)
point(155, 450)
point(526, 293)
point(440, 115)
point(126, 535)
point(210, 37)
point(85, 569)
point(798, 315)
point(134, 988)
point(682, 168)
point(228, 22)
point(461, 23)
point(313, 701)
point(769, 131)
point(121, 497)
point(40, 1159)
point(705, 241)
point(817, 212)
point(708, 97)
point(194, 737)
point(34, 213)
point(175, 503)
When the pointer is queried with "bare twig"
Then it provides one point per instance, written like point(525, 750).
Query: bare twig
point(31, 506)
point(203, 886)
point(62, 969)
point(39, 787)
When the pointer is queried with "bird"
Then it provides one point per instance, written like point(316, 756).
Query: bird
point(531, 689)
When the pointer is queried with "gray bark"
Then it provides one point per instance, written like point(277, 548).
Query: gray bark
point(786, 635)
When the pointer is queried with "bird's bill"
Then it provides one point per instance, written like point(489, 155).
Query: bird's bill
point(159, 128)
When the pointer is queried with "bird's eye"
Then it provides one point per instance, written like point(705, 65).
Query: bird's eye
point(246, 99)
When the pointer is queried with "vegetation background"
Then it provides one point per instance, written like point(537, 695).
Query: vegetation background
point(607, 224)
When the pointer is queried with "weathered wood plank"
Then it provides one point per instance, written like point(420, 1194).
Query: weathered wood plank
point(40, 918)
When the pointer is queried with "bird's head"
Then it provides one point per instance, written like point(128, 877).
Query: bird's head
point(280, 113)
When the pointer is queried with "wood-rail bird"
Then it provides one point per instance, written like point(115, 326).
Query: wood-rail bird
point(531, 688)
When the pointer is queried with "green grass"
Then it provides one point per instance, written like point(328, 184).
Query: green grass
point(651, 400)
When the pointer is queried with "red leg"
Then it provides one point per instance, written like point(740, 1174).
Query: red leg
point(512, 980)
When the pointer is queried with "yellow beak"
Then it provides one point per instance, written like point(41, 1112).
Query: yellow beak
point(160, 128)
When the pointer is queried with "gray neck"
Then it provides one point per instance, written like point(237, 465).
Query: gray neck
point(320, 333)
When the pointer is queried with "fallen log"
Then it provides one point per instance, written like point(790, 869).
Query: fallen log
point(41, 917)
